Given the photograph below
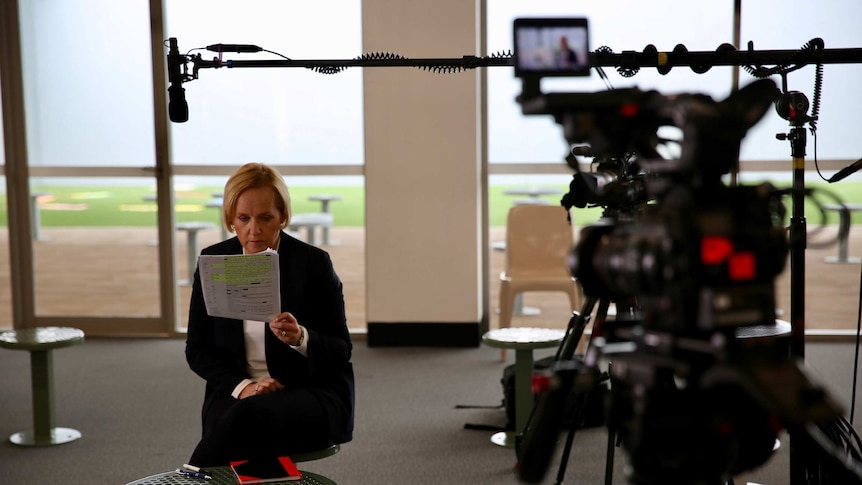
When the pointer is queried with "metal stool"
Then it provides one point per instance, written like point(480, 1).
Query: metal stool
point(40, 341)
point(316, 454)
point(324, 200)
point(310, 221)
point(36, 215)
point(844, 212)
point(523, 340)
point(222, 475)
point(192, 228)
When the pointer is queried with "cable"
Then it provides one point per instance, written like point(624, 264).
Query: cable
point(838, 441)
point(446, 66)
point(856, 356)
point(761, 72)
point(624, 70)
point(276, 53)
point(811, 46)
point(467, 62)
point(845, 460)
point(604, 78)
point(815, 101)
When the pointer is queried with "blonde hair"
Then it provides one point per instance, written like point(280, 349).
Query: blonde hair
point(255, 176)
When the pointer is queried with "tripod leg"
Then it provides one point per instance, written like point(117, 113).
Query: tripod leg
point(601, 317)
point(609, 461)
point(570, 438)
point(575, 331)
point(535, 444)
point(612, 444)
point(568, 353)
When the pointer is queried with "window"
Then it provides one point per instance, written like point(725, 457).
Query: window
point(515, 138)
point(278, 116)
point(790, 25)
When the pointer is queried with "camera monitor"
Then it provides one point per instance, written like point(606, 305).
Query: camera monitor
point(551, 47)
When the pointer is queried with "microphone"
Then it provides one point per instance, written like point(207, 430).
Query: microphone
point(234, 48)
point(582, 150)
point(846, 171)
point(178, 108)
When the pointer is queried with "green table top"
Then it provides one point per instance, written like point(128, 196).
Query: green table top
point(40, 338)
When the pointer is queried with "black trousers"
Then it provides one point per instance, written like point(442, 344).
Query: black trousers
point(275, 424)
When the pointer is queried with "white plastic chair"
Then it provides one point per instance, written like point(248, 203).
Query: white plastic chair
point(538, 242)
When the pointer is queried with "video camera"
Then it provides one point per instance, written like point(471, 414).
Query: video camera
point(693, 258)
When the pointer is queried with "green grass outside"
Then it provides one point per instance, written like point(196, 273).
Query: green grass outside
point(125, 206)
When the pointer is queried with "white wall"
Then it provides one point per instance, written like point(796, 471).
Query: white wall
point(422, 167)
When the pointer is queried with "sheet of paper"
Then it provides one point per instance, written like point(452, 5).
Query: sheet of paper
point(241, 286)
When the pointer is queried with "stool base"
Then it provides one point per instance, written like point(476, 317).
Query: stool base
point(527, 311)
point(838, 259)
point(506, 439)
point(58, 437)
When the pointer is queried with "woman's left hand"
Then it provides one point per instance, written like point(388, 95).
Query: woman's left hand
point(286, 328)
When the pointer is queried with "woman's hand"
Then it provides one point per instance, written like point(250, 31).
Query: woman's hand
point(286, 328)
point(263, 386)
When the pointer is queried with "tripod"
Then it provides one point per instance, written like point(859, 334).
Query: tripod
point(793, 107)
point(665, 400)
point(601, 317)
point(536, 442)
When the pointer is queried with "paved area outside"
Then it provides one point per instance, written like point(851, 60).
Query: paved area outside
point(112, 271)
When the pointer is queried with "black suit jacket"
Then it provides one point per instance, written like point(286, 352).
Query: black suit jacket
point(312, 292)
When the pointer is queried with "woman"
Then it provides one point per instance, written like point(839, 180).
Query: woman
point(278, 387)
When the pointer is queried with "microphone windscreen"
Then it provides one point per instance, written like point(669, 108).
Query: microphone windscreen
point(178, 108)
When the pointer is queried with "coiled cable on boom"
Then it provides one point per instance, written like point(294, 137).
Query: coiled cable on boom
point(437, 66)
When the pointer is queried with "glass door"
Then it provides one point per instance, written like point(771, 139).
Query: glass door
point(306, 124)
point(5, 286)
point(98, 253)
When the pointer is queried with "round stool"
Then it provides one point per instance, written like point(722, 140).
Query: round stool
point(844, 223)
point(310, 221)
point(222, 475)
point(781, 328)
point(40, 341)
point(522, 340)
point(324, 200)
point(768, 338)
point(316, 454)
point(192, 228)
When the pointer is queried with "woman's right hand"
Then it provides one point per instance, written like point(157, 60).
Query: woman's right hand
point(263, 386)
